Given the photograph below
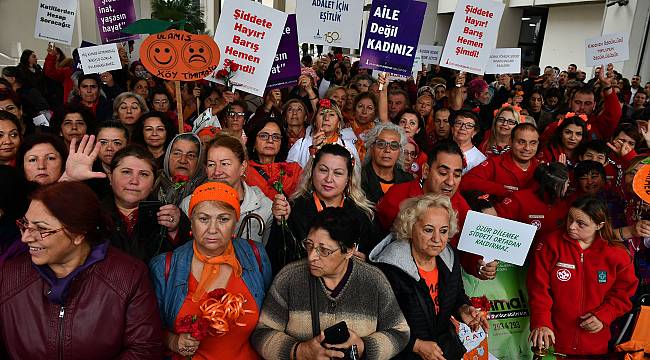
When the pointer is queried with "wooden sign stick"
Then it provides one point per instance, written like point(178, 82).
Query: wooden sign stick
point(179, 106)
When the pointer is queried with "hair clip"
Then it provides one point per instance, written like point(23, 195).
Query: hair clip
point(516, 108)
point(581, 116)
point(325, 103)
point(485, 197)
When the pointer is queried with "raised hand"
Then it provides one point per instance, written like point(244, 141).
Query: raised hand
point(79, 165)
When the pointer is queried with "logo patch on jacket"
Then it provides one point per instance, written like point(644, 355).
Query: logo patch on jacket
point(563, 274)
point(602, 276)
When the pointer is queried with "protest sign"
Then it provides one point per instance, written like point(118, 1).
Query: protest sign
point(504, 61)
point(429, 54)
point(76, 62)
point(426, 55)
point(248, 35)
point(179, 55)
point(607, 49)
point(330, 22)
point(55, 20)
point(286, 65)
point(112, 17)
point(101, 58)
point(509, 314)
point(472, 35)
point(392, 36)
point(496, 238)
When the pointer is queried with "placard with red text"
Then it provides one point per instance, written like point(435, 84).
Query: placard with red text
point(472, 35)
point(248, 34)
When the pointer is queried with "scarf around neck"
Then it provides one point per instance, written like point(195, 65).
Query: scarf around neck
point(211, 267)
point(59, 287)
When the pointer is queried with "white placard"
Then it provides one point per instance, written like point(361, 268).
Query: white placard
point(101, 58)
point(472, 35)
point(329, 22)
point(504, 61)
point(429, 54)
point(496, 238)
point(55, 20)
point(41, 120)
point(607, 49)
point(248, 34)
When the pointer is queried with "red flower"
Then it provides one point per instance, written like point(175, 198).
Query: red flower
point(184, 324)
point(180, 178)
point(325, 103)
point(481, 303)
point(222, 73)
point(217, 294)
point(233, 66)
point(196, 326)
point(200, 329)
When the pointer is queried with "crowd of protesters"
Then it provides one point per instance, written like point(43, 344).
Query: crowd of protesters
point(259, 222)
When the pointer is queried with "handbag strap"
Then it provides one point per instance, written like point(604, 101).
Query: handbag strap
point(313, 301)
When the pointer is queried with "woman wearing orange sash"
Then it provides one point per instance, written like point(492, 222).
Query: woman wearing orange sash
point(210, 290)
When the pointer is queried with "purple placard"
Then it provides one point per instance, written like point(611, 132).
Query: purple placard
point(392, 36)
point(286, 66)
point(113, 16)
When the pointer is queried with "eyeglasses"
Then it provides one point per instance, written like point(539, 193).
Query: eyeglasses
point(410, 153)
point(320, 250)
point(504, 121)
point(161, 102)
point(394, 145)
point(466, 125)
point(23, 225)
point(264, 136)
point(233, 114)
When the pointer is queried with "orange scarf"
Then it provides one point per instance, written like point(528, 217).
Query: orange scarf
point(360, 131)
point(211, 268)
point(332, 139)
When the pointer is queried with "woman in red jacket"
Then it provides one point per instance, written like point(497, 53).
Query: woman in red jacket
point(581, 279)
point(570, 132)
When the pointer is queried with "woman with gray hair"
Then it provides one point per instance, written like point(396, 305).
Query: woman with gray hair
point(383, 163)
point(425, 276)
point(127, 109)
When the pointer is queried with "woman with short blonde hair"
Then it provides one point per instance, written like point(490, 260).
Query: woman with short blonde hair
point(425, 275)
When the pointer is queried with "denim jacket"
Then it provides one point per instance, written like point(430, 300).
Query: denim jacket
point(172, 293)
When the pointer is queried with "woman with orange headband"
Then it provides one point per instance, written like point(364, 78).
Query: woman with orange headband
point(210, 290)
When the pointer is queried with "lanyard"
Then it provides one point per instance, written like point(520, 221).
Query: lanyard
point(319, 206)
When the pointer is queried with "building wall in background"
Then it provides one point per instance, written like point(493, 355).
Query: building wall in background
point(567, 28)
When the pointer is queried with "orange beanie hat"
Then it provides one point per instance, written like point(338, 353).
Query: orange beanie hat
point(215, 191)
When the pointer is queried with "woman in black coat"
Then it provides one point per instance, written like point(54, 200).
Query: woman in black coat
point(425, 276)
point(329, 180)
